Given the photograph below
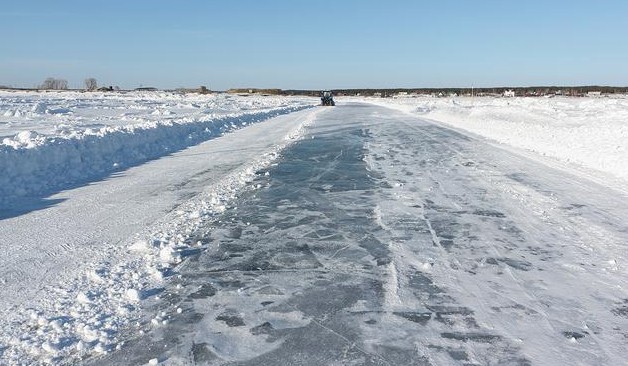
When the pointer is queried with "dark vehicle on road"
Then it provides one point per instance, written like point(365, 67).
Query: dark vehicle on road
point(327, 98)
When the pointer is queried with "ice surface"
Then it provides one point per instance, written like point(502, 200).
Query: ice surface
point(381, 238)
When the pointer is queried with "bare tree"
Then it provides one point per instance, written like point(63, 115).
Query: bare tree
point(49, 83)
point(54, 84)
point(91, 84)
point(61, 84)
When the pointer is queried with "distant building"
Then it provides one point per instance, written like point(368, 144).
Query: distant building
point(509, 93)
point(594, 94)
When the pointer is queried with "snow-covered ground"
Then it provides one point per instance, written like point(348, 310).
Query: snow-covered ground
point(76, 257)
point(586, 132)
point(51, 140)
point(103, 195)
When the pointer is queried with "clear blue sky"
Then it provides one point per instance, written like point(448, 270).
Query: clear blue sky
point(315, 44)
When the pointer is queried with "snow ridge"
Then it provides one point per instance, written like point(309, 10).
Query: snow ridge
point(591, 133)
point(34, 164)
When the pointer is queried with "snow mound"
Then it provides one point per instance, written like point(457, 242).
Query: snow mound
point(35, 164)
point(588, 132)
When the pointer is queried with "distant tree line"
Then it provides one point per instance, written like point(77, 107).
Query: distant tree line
point(54, 84)
point(256, 91)
point(519, 91)
point(91, 84)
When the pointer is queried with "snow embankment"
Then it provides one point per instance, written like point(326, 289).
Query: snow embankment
point(589, 132)
point(84, 316)
point(74, 152)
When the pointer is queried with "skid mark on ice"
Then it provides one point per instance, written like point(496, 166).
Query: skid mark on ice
point(423, 234)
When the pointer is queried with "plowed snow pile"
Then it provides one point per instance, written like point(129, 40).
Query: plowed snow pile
point(588, 132)
point(52, 140)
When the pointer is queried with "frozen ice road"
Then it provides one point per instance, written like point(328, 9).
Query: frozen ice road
point(383, 239)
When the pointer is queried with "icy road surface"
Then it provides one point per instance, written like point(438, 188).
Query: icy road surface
point(383, 239)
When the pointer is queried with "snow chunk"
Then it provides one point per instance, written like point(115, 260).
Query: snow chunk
point(82, 298)
point(49, 347)
point(140, 246)
point(100, 348)
point(88, 334)
point(133, 295)
point(168, 255)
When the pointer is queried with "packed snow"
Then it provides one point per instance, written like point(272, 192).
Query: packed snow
point(586, 132)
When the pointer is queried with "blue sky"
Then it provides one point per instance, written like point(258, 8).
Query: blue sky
point(315, 44)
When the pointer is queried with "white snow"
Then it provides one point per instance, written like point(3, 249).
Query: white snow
point(573, 282)
point(585, 132)
point(43, 150)
point(74, 274)
point(133, 295)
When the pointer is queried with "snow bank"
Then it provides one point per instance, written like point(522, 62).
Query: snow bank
point(589, 132)
point(87, 314)
point(78, 150)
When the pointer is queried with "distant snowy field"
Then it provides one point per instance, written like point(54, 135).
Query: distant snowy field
point(68, 114)
point(588, 132)
point(51, 140)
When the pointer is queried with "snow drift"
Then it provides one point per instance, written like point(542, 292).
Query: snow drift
point(588, 132)
point(35, 164)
